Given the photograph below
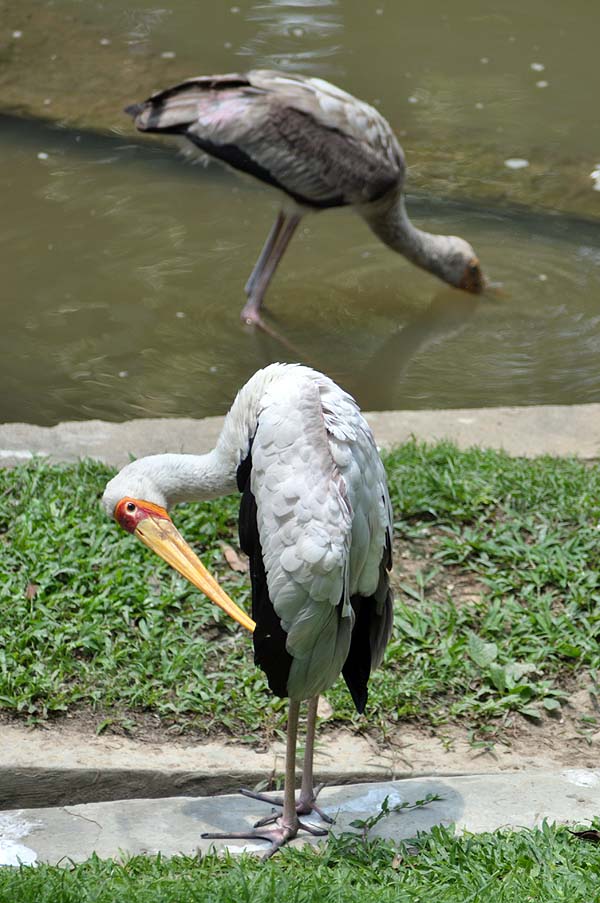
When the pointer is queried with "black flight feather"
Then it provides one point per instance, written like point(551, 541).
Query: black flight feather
point(357, 667)
point(269, 637)
point(374, 616)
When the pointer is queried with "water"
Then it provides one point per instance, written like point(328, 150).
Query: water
point(123, 265)
point(472, 66)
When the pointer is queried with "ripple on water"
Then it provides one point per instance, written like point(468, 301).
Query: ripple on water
point(104, 333)
point(297, 35)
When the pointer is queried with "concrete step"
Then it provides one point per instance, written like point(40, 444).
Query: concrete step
point(526, 431)
point(173, 825)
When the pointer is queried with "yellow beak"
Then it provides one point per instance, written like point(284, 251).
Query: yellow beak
point(161, 535)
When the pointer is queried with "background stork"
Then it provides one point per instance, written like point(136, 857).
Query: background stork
point(320, 147)
point(316, 523)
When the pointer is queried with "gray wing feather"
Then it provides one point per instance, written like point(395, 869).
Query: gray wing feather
point(318, 143)
point(323, 518)
point(304, 525)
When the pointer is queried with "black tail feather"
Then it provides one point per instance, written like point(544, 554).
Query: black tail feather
point(134, 109)
point(357, 667)
point(372, 629)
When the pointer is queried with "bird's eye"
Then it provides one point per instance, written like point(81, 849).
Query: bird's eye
point(130, 507)
point(474, 268)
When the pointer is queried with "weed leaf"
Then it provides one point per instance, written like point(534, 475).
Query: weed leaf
point(483, 654)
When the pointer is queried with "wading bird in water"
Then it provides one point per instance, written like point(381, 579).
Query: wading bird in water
point(316, 523)
point(319, 147)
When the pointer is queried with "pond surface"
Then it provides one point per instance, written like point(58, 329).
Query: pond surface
point(527, 70)
point(124, 265)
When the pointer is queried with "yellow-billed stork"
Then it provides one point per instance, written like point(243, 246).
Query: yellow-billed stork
point(320, 147)
point(316, 523)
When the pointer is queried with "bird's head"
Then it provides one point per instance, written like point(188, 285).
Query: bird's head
point(144, 514)
point(462, 268)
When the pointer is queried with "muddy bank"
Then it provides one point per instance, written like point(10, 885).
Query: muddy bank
point(79, 66)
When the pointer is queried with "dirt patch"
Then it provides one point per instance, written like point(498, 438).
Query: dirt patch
point(570, 737)
point(418, 573)
point(92, 757)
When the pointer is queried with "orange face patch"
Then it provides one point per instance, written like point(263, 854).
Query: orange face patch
point(472, 280)
point(129, 512)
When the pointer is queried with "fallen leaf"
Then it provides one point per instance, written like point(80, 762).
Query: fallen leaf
point(31, 591)
point(235, 561)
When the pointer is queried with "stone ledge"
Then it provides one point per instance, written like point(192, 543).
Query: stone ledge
point(123, 828)
point(69, 764)
point(521, 431)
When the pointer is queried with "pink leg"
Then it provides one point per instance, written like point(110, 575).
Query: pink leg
point(287, 825)
point(308, 791)
point(306, 803)
point(264, 254)
point(265, 268)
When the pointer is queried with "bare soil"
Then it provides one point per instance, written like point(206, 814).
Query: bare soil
point(568, 739)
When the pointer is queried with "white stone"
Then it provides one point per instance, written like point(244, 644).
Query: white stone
point(14, 828)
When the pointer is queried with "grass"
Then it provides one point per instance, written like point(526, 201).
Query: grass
point(545, 864)
point(90, 619)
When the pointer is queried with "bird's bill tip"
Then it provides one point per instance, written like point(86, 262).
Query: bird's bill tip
point(153, 526)
point(496, 290)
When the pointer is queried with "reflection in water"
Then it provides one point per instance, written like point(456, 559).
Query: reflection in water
point(289, 26)
point(446, 316)
point(122, 274)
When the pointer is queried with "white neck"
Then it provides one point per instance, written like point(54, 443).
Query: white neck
point(390, 222)
point(187, 478)
point(169, 479)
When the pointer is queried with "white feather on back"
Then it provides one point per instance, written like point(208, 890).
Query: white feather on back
point(322, 507)
point(322, 514)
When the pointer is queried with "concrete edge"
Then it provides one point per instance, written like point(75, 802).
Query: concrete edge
point(520, 431)
point(475, 803)
point(48, 787)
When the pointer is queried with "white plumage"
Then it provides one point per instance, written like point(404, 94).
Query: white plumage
point(316, 522)
point(322, 516)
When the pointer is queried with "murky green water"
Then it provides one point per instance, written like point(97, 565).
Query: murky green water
point(123, 266)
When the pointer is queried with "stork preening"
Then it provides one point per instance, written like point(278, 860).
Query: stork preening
point(319, 147)
point(316, 524)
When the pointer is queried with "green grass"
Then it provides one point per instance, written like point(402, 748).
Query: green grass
point(530, 866)
point(90, 618)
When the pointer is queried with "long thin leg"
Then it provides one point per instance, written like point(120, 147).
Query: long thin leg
point(287, 825)
point(308, 791)
point(306, 803)
point(267, 248)
point(289, 818)
point(251, 310)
